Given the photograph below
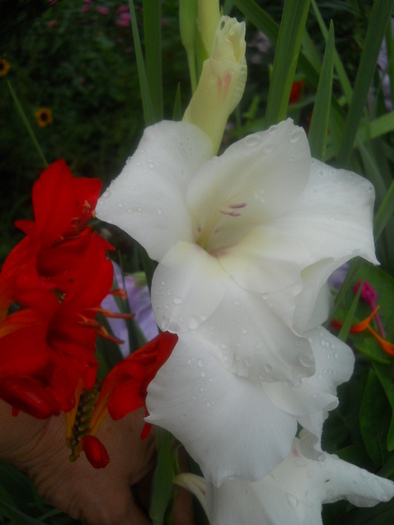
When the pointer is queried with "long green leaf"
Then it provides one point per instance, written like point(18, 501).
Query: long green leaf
point(318, 130)
point(342, 75)
point(288, 46)
point(153, 60)
point(385, 212)
point(147, 105)
point(27, 123)
point(379, 17)
point(376, 128)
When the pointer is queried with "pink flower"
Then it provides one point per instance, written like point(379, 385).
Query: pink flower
point(103, 10)
point(123, 9)
point(51, 23)
point(123, 20)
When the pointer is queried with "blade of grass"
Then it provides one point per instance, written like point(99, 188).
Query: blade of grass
point(153, 61)
point(384, 212)
point(345, 330)
point(342, 75)
point(147, 105)
point(26, 122)
point(288, 46)
point(379, 126)
point(261, 20)
point(379, 17)
point(318, 130)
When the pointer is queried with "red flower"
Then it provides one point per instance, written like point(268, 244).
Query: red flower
point(295, 93)
point(51, 286)
point(125, 388)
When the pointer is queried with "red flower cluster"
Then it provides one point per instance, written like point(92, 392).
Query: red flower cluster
point(51, 286)
point(123, 391)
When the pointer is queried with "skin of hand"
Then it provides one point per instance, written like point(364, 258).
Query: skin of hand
point(115, 495)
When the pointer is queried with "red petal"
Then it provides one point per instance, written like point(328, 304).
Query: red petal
point(95, 451)
point(30, 396)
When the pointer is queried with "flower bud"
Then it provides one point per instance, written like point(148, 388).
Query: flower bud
point(222, 81)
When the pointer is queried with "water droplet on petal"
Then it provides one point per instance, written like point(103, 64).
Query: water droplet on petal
point(106, 194)
point(200, 363)
point(292, 501)
point(177, 300)
point(268, 368)
point(306, 361)
point(193, 323)
point(159, 211)
point(120, 205)
point(296, 136)
point(252, 140)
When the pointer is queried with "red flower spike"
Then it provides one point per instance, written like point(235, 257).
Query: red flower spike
point(95, 451)
point(58, 274)
point(62, 203)
point(125, 388)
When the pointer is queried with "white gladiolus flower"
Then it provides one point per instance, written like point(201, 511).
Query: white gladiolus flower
point(245, 241)
point(234, 427)
point(293, 493)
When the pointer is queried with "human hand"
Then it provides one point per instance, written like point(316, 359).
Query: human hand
point(115, 495)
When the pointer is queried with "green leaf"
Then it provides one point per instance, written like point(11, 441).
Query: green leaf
point(26, 122)
point(342, 75)
point(163, 480)
point(153, 61)
point(385, 212)
point(374, 420)
point(384, 374)
point(318, 130)
point(379, 17)
point(147, 105)
point(288, 46)
point(377, 127)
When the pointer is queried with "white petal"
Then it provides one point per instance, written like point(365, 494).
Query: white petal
point(226, 423)
point(264, 262)
point(252, 340)
point(332, 222)
point(294, 491)
point(147, 200)
point(257, 178)
point(188, 285)
point(334, 362)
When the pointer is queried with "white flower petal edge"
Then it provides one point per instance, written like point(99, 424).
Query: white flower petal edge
point(295, 490)
point(226, 423)
point(235, 427)
point(147, 200)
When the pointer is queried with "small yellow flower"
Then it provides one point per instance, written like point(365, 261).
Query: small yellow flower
point(43, 117)
point(4, 67)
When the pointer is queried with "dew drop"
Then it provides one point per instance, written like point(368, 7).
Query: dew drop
point(193, 323)
point(202, 374)
point(200, 363)
point(151, 165)
point(194, 397)
point(159, 211)
point(265, 296)
point(306, 361)
point(252, 140)
point(106, 194)
point(139, 209)
point(268, 148)
point(120, 205)
point(295, 136)
point(177, 300)
point(248, 361)
point(244, 331)
point(182, 416)
point(268, 369)
point(315, 396)
point(292, 501)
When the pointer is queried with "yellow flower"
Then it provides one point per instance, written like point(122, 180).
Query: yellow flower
point(43, 117)
point(4, 67)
